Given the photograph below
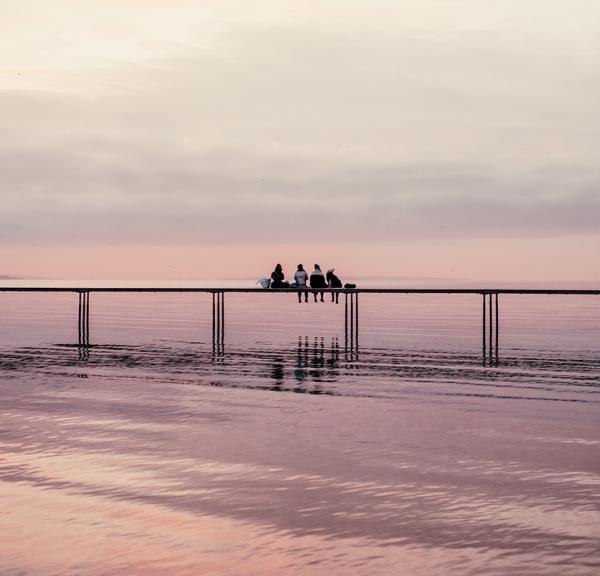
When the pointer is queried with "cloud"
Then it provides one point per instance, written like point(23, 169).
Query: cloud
point(128, 195)
point(382, 123)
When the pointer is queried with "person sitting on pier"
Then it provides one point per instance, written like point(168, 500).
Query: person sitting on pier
point(300, 279)
point(317, 280)
point(277, 278)
point(333, 282)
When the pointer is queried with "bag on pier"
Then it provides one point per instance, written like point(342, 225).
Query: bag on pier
point(349, 286)
point(264, 282)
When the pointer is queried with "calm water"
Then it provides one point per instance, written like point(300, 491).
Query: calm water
point(285, 453)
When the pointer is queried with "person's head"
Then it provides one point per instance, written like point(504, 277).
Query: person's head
point(278, 268)
point(317, 267)
point(300, 267)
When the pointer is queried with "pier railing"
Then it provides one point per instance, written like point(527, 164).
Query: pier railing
point(490, 308)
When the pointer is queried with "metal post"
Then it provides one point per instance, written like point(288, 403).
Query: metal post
point(497, 327)
point(222, 316)
point(351, 320)
point(79, 320)
point(346, 318)
point(83, 315)
point(87, 318)
point(83, 318)
point(490, 322)
point(213, 317)
point(484, 340)
point(218, 317)
point(357, 319)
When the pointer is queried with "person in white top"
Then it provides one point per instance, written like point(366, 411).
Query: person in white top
point(301, 278)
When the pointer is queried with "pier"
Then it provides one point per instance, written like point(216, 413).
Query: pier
point(490, 307)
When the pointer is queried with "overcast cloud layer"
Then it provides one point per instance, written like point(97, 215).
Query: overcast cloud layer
point(225, 122)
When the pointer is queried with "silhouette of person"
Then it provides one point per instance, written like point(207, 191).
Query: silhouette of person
point(333, 282)
point(317, 280)
point(300, 278)
point(277, 278)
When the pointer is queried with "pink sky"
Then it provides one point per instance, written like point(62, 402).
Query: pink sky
point(506, 260)
point(214, 139)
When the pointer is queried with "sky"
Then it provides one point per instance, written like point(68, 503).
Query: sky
point(175, 139)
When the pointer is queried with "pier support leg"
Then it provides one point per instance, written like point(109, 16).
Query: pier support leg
point(346, 319)
point(490, 328)
point(222, 316)
point(356, 306)
point(484, 347)
point(213, 294)
point(497, 329)
point(83, 326)
point(491, 319)
point(79, 323)
point(218, 322)
point(351, 321)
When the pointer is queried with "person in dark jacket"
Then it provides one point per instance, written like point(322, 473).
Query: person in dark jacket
point(333, 282)
point(277, 278)
point(317, 280)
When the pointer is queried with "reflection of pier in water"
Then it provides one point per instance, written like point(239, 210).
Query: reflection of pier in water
point(490, 316)
point(322, 366)
point(315, 362)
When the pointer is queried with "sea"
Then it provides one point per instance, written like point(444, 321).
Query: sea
point(284, 449)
